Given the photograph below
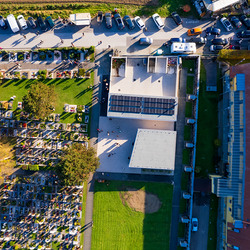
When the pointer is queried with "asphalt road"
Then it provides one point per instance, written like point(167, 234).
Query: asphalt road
point(93, 34)
point(201, 212)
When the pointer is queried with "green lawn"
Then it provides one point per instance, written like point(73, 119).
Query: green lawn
point(70, 91)
point(117, 226)
point(187, 132)
point(190, 84)
point(189, 64)
point(212, 229)
point(189, 109)
point(186, 156)
point(164, 8)
point(207, 131)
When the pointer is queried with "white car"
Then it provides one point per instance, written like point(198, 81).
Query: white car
point(194, 224)
point(22, 22)
point(228, 26)
point(158, 21)
point(139, 22)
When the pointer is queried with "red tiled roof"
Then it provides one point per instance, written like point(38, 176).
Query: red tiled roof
point(242, 239)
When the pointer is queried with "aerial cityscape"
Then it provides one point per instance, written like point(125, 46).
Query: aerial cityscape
point(124, 125)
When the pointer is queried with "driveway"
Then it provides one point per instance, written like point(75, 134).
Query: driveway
point(201, 212)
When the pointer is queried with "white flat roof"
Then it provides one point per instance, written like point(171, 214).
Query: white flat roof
point(154, 149)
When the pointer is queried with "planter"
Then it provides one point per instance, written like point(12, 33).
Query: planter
point(20, 56)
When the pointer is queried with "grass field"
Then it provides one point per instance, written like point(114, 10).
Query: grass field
point(207, 130)
point(187, 132)
point(188, 109)
point(190, 84)
point(70, 91)
point(117, 226)
point(127, 7)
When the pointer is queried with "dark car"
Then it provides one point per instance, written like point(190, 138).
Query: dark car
point(49, 21)
point(177, 40)
point(108, 20)
point(216, 47)
point(197, 40)
point(3, 23)
point(41, 23)
point(212, 31)
point(145, 41)
point(236, 22)
point(119, 21)
point(127, 20)
point(32, 22)
point(176, 18)
point(245, 20)
point(220, 41)
point(243, 34)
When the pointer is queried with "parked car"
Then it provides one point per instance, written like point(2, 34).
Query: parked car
point(32, 22)
point(139, 22)
point(99, 17)
point(13, 23)
point(194, 224)
point(197, 40)
point(235, 47)
point(245, 20)
point(49, 21)
point(41, 23)
point(213, 31)
point(236, 22)
point(145, 41)
point(220, 41)
point(158, 21)
point(119, 21)
point(108, 20)
point(22, 22)
point(127, 20)
point(176, 18)
point(177, 40)
point(228, 26)
point(243, 34)
point(3, 23)
point(214, 48)
point(194, 32)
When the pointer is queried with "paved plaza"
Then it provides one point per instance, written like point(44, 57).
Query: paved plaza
point(115, 142)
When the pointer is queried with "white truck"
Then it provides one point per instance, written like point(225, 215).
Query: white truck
point(13, 23)
point(187, 48)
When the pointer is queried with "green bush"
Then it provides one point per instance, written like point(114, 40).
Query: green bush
point(34, 167)
point(20, 57)
point(81, 72)
point(42, 74)
point(227, 54)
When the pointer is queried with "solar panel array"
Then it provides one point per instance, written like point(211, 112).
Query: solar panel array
point(143, 105)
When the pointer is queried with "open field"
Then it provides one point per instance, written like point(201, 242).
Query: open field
point(7, 162)
point(69, 91)
point(64, 8)
point(118, 226)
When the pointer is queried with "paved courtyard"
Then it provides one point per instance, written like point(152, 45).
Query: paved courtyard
point(115, 141)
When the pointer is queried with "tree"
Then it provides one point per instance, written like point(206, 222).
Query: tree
point(40, 100)
point(76, 163)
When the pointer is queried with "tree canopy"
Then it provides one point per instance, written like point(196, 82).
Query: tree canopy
point(76, 163)
point(40, 100)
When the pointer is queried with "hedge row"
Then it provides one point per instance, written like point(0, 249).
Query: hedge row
point(226, 54)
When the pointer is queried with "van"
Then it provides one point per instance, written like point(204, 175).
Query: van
point(49, 21)
point(13, 23)
point(194, 32)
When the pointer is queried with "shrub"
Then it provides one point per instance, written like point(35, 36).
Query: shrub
point(25, 167)
point(34, 167)
point(20, 57)
point(42, 74)
point(226, 54)
point(81, 72)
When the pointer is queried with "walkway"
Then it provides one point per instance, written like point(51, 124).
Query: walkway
point(102, 57)
point(178, 160)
